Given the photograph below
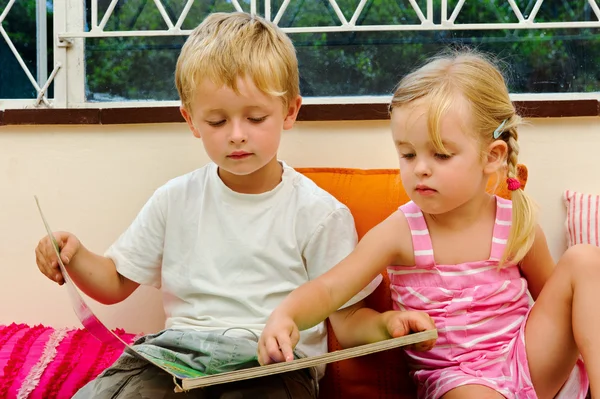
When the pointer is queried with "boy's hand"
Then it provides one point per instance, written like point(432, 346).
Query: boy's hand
point(400, 323)
point(278, 340)
point(46, 259)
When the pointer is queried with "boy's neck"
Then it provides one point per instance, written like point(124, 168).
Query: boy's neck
point(263, 180)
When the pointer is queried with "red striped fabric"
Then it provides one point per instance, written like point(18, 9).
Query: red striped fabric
point(40, 362)
point(582, 218)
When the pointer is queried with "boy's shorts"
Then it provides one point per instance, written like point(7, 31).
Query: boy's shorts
point(210, 353)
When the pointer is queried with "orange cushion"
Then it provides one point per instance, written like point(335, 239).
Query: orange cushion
point(372, 195)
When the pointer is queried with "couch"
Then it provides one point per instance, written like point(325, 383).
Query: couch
point(43, 362)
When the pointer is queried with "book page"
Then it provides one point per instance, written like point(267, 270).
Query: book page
point(98, 329)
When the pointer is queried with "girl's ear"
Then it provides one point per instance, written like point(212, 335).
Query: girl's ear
point(497, 154)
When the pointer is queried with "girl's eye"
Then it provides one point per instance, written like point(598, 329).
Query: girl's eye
point(257, 120)
point(443, 156)
point(216, 123)
point(407, 156)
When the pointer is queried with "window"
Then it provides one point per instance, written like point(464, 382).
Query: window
point(124, 51)
point(26, 50)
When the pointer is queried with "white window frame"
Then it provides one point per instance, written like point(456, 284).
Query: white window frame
point(68, 74)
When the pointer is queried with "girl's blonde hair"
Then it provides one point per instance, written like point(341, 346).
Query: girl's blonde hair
point(228, 46)
point(473, 76)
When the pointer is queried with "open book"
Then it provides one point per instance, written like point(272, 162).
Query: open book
point(186, 378)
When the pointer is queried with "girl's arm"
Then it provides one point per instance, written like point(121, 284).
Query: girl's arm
point(358, 325)
point(537, 265)
point(314, 301)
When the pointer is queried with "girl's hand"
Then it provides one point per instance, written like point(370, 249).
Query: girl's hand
point(278, 340)
point(400, 323)
point(46, 259)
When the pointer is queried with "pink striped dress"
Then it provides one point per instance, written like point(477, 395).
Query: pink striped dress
point(480, 312)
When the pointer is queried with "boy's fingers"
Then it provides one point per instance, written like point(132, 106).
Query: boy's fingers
point(41, 262)
point(39, 259)
point(48, 252)
point(67, 248)
point(48, 268)
point(40, 254)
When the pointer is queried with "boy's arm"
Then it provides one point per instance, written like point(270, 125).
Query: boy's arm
point(95, 275)
point(98, 278)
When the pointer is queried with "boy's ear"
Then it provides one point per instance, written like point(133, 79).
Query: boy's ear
point(292, 113)
point(188, 118)
point(496, 156)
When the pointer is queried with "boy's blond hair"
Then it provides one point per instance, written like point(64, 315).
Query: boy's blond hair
point(228, 46)
point(471, 75)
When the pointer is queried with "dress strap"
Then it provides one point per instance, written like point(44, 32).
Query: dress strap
point(423, 250)
point(501, 227)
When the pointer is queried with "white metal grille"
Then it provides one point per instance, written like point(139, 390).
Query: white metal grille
point(69, 71)
point(41, 75)
point(345, 25)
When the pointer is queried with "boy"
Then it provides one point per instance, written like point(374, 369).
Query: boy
point(227, 242)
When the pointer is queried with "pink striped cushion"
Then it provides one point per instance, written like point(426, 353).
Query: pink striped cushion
point(582, 218)
point(45, 363)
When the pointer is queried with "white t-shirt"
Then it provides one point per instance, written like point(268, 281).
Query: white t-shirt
point(224, 259)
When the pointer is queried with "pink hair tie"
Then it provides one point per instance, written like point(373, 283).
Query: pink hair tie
point(513, 184)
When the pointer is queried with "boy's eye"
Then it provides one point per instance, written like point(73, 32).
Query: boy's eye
point(443, 156)
point(216, 123)
point(407, 156)
point(257, 120)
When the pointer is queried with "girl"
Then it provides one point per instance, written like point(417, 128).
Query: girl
point(465, 257)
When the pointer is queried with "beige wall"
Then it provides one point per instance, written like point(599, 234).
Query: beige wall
point(92, 180)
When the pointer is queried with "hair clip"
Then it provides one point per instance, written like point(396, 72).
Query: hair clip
point(498, 132)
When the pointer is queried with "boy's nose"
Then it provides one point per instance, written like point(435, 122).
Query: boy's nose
point(237, 135)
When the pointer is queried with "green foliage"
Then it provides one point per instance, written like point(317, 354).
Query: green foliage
point(141, 68)
point(343, 63)
point(21, 28)
point(363, 63)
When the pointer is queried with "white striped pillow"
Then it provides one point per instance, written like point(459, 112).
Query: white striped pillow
point(582, 222)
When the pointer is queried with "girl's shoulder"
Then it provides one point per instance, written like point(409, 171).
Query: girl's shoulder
point(397, 224)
